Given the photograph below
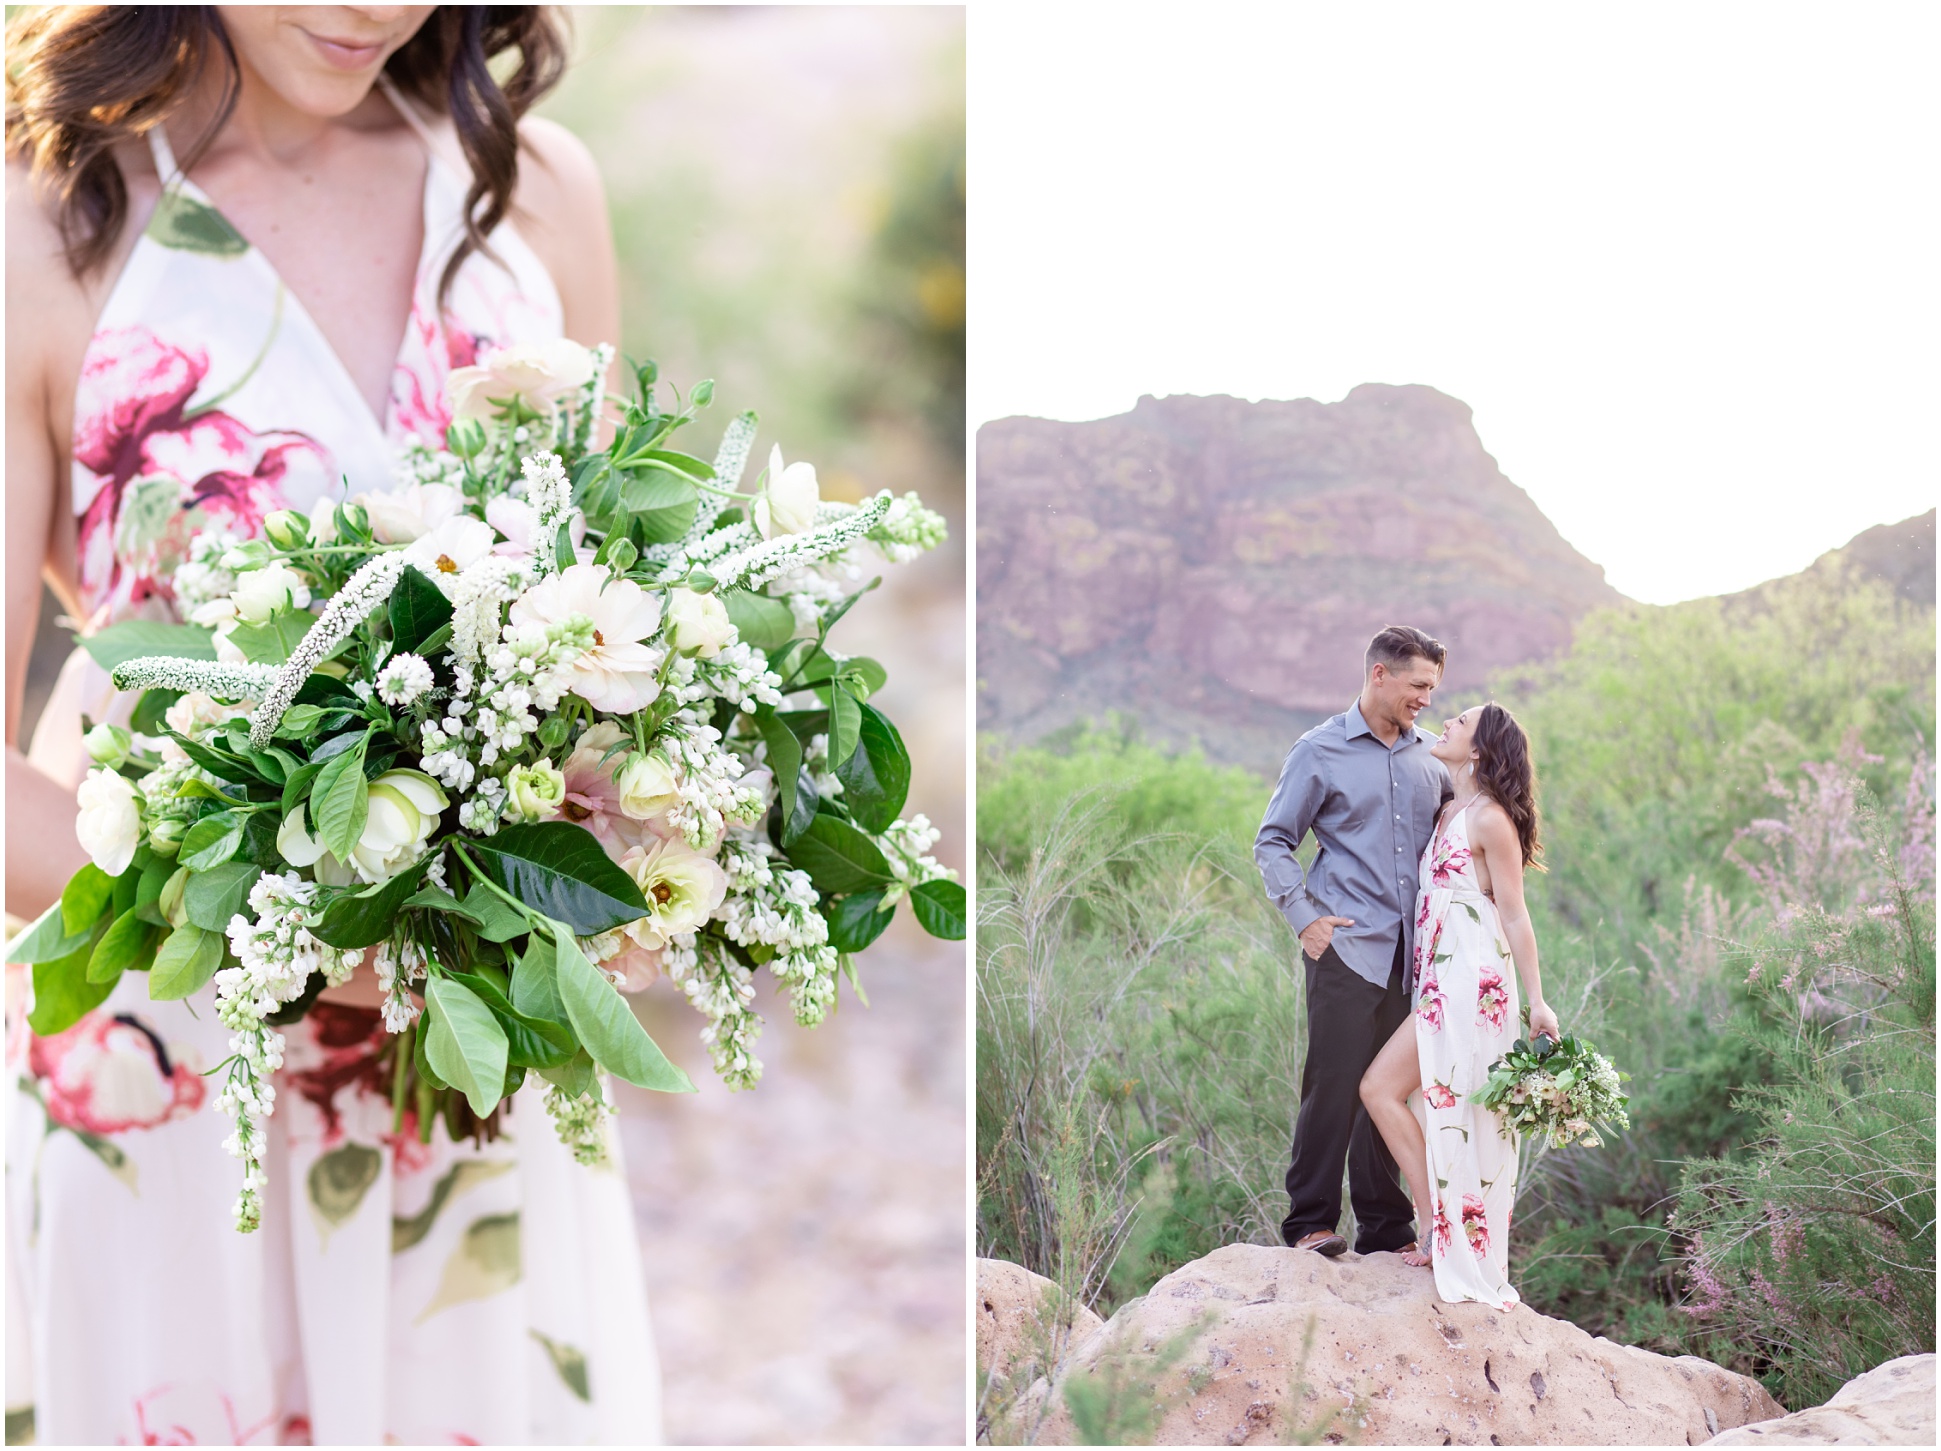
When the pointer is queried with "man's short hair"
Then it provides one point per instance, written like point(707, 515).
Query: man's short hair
point(1396, 645)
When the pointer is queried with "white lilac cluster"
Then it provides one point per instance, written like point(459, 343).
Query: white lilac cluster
point(906, 847)
point(277, 955)
point(420, 464)
point(551, 497)
point(403, 679)
point(711, 783)
point(738, 673)
point(202, 578)
point(363, 592)
point(581, 1122)
point(722, 990)
point(777, 910)
point(399, 964)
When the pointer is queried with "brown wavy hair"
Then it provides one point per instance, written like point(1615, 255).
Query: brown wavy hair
point(81, 79)
point(1506, 774)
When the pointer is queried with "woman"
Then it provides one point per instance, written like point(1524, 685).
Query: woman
point(260, 238)
point(1471, 924)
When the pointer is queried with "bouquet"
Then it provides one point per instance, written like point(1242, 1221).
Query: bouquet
point(548, 722)
point(1558, 1092)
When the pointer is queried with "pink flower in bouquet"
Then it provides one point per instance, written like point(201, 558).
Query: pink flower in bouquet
point(618, 674)
point(1440, 1095)
point(536, 373)
point(1492, 999)
point(108, 1074)
point(682, 888)
point(1475, 1224)
point(402, 515)
point(519, 523)
point(634, 968)
point(596, 795)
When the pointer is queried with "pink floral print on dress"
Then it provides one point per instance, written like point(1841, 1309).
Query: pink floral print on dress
point(107, 1075)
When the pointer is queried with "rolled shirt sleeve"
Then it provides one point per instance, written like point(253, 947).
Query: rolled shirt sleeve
point(1296, 800)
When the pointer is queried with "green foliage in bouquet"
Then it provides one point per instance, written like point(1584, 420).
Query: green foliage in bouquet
point(549, 721)
point(1558, 1092)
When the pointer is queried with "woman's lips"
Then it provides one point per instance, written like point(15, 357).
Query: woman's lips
point(344, 55)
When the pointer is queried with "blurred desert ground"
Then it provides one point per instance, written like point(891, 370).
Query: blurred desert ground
point(787, 190)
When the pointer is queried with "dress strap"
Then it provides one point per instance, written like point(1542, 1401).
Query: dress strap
point(164, 155)
point(408, 111)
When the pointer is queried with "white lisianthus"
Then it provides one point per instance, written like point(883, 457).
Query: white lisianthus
point(788, 504)
point(449, 550)
point(260, 593)
point(535, 373)
point(618, 675)
point(681, 886)
point(110, 824)
point(699, 623)
point(647, 787)
point(408, 514)
point(404, 810)
point(403, 679)
point(535, 792)
point(294, 843)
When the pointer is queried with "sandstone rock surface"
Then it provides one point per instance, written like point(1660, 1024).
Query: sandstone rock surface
point(1392, 1363)
point(1217, 565)
point(1025, 1322)
point(1891, 1405)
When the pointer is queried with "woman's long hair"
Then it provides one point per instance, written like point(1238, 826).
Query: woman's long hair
point(1506, 774)
point(81, 79)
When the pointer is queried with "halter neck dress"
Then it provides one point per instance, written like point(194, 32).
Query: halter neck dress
point(1466, 1017)
point(397, 1291)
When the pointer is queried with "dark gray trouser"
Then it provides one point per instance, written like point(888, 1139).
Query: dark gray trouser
point(1348, 1021)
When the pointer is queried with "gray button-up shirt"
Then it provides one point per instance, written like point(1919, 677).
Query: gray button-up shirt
point(1372, 808)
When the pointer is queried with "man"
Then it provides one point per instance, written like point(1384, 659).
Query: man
point(1365, 784)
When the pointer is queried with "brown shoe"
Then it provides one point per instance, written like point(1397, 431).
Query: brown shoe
point(1323, 1242)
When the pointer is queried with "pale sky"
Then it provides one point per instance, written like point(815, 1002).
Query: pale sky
point(1681, 260)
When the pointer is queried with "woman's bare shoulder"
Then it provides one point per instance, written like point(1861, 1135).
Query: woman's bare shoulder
point(562, 212)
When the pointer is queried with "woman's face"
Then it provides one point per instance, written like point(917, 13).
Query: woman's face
point(1457, 743)
point(319, 59)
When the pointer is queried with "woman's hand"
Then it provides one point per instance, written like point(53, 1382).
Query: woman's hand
point(1543, 1020)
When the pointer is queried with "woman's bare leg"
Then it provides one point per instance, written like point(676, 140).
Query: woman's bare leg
point(1385, 1089)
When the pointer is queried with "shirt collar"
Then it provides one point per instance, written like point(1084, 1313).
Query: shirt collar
point(1358, 726)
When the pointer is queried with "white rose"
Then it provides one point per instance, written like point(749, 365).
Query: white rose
point(647, 787)
point(788, 504)
point(700, 623)
point(110, 824)
point(535, 373)
point(536, 791)
point(260, 593)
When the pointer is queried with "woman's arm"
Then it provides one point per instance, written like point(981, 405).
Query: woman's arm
point(44, 306)
point(1494, 838)
point(561, 209)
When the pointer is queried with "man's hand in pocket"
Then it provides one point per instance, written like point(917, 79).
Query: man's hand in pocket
point(1316, 936)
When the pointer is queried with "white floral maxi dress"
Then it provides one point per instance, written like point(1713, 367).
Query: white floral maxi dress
point(432, 1293)
point(1466, 1016)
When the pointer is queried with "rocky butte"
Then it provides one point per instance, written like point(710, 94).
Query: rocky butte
point(1216, 566)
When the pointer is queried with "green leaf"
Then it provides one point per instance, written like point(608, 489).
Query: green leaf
point(806, 802)
point(340, 801)
point(765, 623)
point(530, 1042)
point(863, 675)
point(535, 982)
point(85, 898)
point(876, 779)
point(47, 939)
point(496, 919)
point(62, 992)
point(418, 608)
point(184, 963)
point(575, 1076)
point(296, 790)
point(367, 917)
point(681, 463)
point(660, 502)
point(148, 891)
point(211, 898)
point(606, 1025)
point(150, 710)
point(122, 946)
point(856, 920)
point(845, 725)
point(298, 721)
point(213, 840)
point(560, 870)
point(437, 899)
point(276, 639)
point(187, 225)
point(784, 757)
point(133, 639)
point(563, 554)
point(464, 1042)
point(839, 858)
point(942, 909)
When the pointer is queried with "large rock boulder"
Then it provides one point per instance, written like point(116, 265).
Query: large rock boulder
point(1214, 1355)
point(1891, 1405)
point(1025, 1323)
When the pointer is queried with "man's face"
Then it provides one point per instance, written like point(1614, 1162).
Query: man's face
point(1402, 691)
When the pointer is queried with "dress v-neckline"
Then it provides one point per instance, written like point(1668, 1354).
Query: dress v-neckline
point(174, 177)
